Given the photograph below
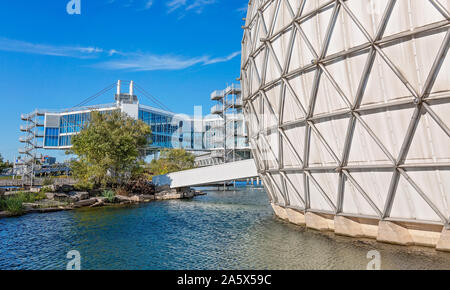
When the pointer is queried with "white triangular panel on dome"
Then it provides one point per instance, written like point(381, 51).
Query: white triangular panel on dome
point(328, 183)
point(291, 108)
point(318, 153)
point(424, 13)
point(283, 17)
point(328, 99)
point(278, 186)
point(415, 57)
point(399, 20)
point(272, 70)
point(364, 150)
point(268, 14)
point(295, 179)
point(443, 77)
point(291, 158)
point(302, 86)
point(281, 45)
point(345, 34)
point(312, 32)
point(375, 183)
point(273, 95)
point(409, 204)
point(369, 13)
point(354, 202)
point(436, 186)
point(270, 119)
point(263, 30)
point(348, 73)
point(430, 143)
point(383, 85)
point(295, 5)
point(334, 132)
point(392, 137)
point(301, 55)
point(273, 144)
point(296, 136)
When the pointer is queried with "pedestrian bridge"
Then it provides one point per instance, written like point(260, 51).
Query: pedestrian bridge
point(209, 175)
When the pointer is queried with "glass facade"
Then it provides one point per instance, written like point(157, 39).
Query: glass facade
point(164, 129)
point(51, 137)
point(168, 131)
point(73, 123)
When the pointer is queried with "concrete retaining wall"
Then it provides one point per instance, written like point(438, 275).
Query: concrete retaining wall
point(393, 232)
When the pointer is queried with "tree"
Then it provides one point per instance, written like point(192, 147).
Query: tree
point(4, 164)
point(109, 149)
point(172, 160)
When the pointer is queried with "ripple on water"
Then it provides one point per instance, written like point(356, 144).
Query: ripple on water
point(222, 230)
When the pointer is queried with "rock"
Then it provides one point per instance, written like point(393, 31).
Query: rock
point(95, 192)
point(136, 198)
point(148, 197)
point(101, 199)
point(66, 188)
point(122, 198)
point(82, 195)
point(165, 187)
point(61, 196)
point(169, 196)
point(86, 202)
point(97, 204)
point(48, 209)
point(30, 205)
point(50, 195)
point(4, 214)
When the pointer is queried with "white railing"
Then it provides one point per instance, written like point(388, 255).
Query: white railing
point(216, 95)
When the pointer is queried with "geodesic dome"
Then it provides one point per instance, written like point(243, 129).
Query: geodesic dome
point(348, 105)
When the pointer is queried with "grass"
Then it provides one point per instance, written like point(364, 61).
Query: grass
point(14, 203)
point(9, 177)
point(109, 194)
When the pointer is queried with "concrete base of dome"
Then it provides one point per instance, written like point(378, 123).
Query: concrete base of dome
point(399, 233)
point(356, 227)
point(319, 222)
point(296, 217)
point(444, 241)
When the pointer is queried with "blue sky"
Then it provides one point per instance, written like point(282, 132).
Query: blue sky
point(178, 50)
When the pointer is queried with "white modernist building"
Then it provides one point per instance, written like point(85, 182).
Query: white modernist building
point(348, 104)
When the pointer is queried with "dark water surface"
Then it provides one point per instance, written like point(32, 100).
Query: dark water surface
point(222, 230)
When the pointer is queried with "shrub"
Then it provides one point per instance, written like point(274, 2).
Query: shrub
point(110, 195)
point(121, 190)
point(45, 189)
point(13, 204)
point(140, 186)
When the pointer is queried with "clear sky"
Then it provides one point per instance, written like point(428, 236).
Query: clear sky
point(178, 50)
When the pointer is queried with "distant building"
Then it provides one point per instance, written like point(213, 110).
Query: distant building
point(55, 129)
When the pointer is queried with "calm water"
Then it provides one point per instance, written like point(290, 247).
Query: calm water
point(222, 230)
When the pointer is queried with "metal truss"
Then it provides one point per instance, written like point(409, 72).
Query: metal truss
point(32, 141)
point(266, 115)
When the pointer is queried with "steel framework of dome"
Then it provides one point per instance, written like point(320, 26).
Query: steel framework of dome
point(348, 106)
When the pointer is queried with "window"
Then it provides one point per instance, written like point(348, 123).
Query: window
point(51, 137)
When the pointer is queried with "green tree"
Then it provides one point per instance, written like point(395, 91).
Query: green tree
point(4, 164)
point(172, 160)
point(109, 149)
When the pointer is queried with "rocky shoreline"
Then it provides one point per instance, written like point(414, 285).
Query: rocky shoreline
point(61, 198)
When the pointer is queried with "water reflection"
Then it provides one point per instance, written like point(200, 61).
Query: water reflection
point(222, 230)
